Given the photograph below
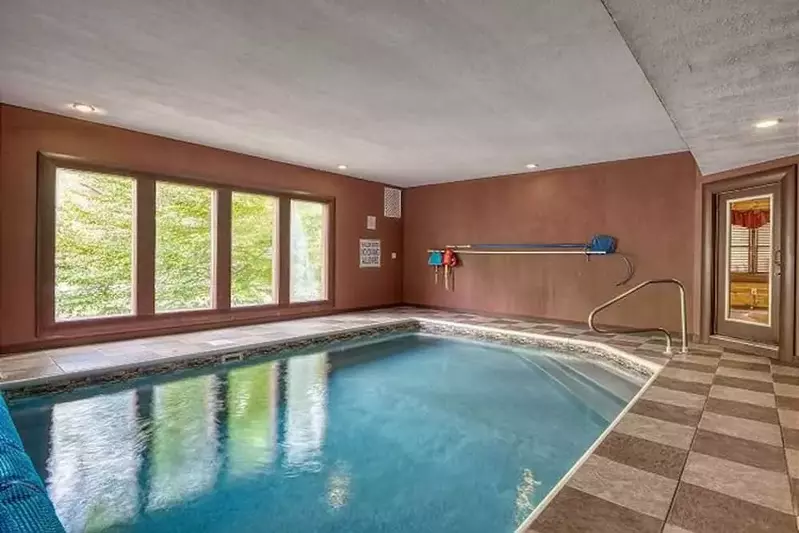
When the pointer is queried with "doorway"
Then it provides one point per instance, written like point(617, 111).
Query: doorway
point(748, 274)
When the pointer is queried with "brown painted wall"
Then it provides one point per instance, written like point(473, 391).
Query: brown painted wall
point(648, 204)
point(23, 133)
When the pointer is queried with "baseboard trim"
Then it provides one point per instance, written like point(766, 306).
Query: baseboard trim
point(750, 347)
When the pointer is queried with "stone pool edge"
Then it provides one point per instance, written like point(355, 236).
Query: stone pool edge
point(68, 381)
point(596, 351)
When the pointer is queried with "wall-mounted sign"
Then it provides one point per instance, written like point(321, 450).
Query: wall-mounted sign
point(370, 253)
point(371, 222)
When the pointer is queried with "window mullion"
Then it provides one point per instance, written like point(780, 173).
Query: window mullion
point(144, 256)
point(221, 259)
point(284, 251)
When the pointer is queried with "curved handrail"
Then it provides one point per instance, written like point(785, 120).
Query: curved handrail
point(683, 322)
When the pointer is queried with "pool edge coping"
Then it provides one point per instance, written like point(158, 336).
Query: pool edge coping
point(244, 351)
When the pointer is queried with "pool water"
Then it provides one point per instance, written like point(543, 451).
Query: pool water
point(411, 433)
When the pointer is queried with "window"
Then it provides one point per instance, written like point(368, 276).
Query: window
point(739, 249)
point(183, 248)
point(141, 251)
point(750, 249)
point(762, 239)
point(308, 249)
point(93, 245)
point(252, 254)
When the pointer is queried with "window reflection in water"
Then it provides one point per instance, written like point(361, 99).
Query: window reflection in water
point(252, 418)
point(183, 454)
point(94, 461)
point(97, 474)
point(306, 405)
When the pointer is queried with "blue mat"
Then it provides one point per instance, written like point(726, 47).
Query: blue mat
point(24, 504)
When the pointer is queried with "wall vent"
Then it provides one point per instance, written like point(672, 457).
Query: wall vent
point(392, 202)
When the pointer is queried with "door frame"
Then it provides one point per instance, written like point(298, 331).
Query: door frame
point(786, 179)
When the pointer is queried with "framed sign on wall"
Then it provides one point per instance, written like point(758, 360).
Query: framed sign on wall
point(370, 253)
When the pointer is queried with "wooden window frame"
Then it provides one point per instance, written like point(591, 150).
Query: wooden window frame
point(144, 319)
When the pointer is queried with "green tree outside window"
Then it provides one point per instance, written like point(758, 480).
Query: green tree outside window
point(183, 247)
point(253, 243)
point(93, 245)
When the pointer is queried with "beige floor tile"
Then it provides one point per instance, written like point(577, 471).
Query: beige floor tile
point(741, 428)
point(576, 511)
point(789, 418)
point(701, 360)
point(763, 399)
point(792, 457)
point(708, 511)
point(678, 398)
point(761, 487)
point(746, 374)
point(41, 372)
point(24, 362)
point(782, 389)
point(656, 430)
point(630, 487)
point(668, 528)
point(748, 384)
point(687, 375)
point(785, 370)
point(727, 356)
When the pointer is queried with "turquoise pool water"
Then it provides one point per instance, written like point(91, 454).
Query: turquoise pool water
point(411, 433)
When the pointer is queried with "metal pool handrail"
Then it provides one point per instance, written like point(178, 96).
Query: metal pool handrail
point(684, 319)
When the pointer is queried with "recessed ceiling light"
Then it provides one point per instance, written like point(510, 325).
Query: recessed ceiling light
point(342, 167)
point(531, 165)
point(84, 108)
point(770, 123)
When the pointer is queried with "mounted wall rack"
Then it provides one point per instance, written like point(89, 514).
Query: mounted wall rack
point(599, 245)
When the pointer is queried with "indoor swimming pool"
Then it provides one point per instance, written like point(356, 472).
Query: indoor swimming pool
point(408, 432)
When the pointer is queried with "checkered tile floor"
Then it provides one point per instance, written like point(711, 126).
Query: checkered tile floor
point(711, 446)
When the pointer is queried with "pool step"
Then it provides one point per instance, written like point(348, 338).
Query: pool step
point(624, 387)
point(601, 400)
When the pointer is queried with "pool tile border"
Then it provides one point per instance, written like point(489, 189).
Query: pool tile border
point(69, 381)
point(115, 374)
point(591, 350)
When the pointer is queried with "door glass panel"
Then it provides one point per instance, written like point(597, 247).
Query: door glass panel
point(749, 260)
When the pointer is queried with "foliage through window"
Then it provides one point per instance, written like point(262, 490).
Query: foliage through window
point(94, 221)
point(252, 249)
point(98, 260)
point(183, 251)
point(308, 221)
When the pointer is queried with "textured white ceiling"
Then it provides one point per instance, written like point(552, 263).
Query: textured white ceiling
point(403, 91)
point(720, 66)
